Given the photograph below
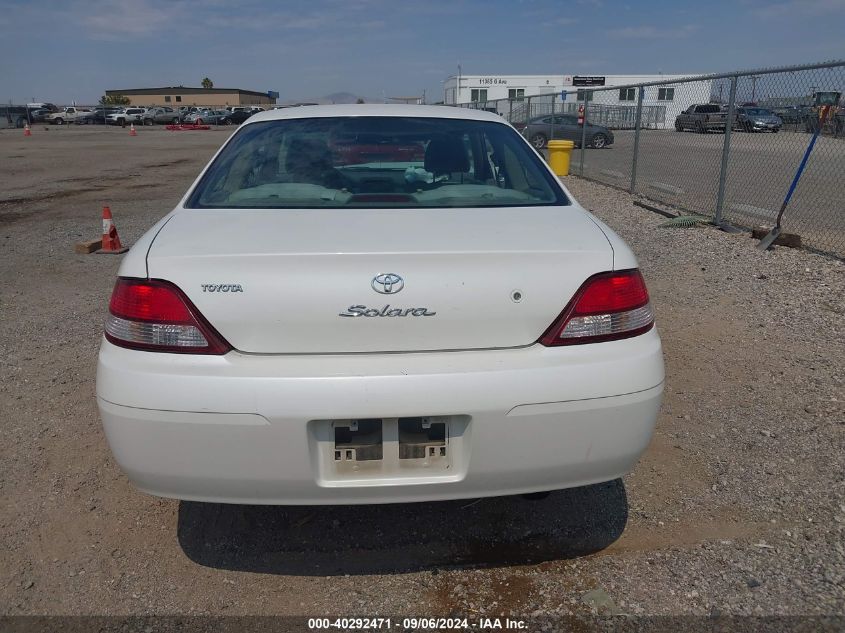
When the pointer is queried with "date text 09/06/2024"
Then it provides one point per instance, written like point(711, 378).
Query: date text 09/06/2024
point(415, 623)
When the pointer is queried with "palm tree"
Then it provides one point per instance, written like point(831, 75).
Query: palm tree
point(207, 83)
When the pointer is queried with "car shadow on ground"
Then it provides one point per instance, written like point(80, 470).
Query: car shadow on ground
point(397, 538)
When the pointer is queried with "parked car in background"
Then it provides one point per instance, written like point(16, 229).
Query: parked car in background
point(160, 114)
point(209, 117)
point(792, 114)
point(509, 349)
point(126, 115)
point(40, 115)
point(67, 115)
point(541, 129)
point(98, 116)
point(186, 110)
point(702, 118)
point(236, 117)
point(756, 119)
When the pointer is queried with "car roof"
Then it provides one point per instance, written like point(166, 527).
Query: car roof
point(376, 109)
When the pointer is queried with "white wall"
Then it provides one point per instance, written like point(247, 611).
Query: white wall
point(497, 87)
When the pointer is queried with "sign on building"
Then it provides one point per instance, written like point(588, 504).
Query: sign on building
point(578, 80)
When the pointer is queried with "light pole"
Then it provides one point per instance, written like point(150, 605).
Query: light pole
point(458, 86)
point(753, 88)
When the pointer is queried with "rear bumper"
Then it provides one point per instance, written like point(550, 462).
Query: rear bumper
point(246, 429)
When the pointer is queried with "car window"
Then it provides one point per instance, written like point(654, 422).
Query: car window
point(348, 162)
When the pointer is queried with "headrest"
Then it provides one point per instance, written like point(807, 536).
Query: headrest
point(307, 153)
point(446, 155)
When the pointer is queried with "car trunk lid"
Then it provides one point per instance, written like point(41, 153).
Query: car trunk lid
point(307, 281)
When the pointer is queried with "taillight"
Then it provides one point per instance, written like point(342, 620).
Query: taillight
point(607, 306)
point(156, 315)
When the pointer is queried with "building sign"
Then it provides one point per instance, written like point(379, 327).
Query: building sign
point(587, 81)
point(492, 81)
point(272, 94)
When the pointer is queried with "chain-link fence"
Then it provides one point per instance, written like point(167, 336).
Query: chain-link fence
point(726, 145)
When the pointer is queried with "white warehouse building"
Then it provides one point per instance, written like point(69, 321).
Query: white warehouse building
point(661, 104)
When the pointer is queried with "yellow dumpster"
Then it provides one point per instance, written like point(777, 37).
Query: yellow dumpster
point(559, 155)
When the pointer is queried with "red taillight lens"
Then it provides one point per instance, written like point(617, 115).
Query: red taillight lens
point(141, 300)
point(156, 315)
point(607, 307)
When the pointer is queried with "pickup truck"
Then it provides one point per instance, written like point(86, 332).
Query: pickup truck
point(66, 115)
point(702, 118)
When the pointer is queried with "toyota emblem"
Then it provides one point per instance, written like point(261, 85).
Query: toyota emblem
point(388, 283)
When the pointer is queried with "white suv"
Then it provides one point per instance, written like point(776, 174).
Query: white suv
point(126, 115)
point(377, 304)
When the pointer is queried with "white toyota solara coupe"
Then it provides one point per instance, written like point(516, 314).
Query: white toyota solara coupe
point(377, 304)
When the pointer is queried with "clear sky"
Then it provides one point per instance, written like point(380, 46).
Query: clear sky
point(63, 51)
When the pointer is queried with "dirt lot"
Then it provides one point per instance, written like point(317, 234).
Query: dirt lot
point(737, 508)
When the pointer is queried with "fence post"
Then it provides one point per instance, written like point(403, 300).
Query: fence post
point(553, 118)
point(637, 126)
point(726, 153)
point(587, 95)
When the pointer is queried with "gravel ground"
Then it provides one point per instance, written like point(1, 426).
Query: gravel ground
point(738, 507)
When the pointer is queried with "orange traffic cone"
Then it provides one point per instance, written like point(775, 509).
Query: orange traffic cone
point(111, 241)
point(26, 130)
point(132, 131)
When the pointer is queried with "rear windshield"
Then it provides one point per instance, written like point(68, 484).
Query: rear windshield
point(376, 162)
